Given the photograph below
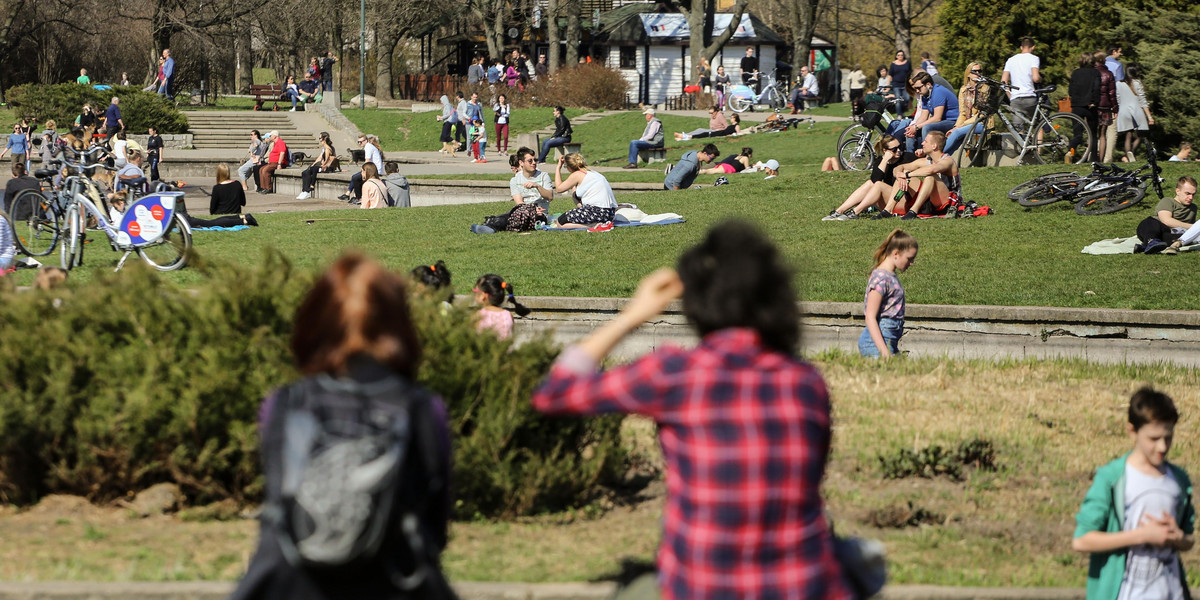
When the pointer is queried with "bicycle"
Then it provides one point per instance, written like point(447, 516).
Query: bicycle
point(774, 95)
point(1107, 189)
point(1046, 139)
point(1055, 187)
point(150, 226)
point(856, 143)
point(36, 217)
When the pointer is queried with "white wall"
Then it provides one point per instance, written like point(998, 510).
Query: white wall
point(666, 67)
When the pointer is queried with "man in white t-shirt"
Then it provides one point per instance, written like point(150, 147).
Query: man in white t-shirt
point(529, 185)
point(1022, 71)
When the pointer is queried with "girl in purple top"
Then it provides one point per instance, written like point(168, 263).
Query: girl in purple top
point(884, 300)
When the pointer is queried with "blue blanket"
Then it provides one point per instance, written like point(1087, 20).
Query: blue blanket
point(236, 228)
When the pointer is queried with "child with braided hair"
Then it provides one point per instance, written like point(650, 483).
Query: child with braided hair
point(490, 292)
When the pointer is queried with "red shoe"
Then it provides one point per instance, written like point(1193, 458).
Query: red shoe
point(602, 227)
point(482, 160)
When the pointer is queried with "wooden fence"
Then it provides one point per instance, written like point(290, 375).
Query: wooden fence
point(429, 88)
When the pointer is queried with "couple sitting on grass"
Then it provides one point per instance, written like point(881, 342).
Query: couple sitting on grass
point(926, 182)
point(595, 203)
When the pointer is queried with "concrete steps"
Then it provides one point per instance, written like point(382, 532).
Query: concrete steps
point(227, 129)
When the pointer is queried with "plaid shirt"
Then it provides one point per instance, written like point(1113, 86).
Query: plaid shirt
point(745, 432)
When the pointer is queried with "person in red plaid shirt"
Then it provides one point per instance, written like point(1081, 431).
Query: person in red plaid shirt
point(744, 424)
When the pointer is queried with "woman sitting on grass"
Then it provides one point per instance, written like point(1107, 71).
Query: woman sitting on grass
point(594, 199)
point(876, 189)
point(733, 128)
point(716, 122)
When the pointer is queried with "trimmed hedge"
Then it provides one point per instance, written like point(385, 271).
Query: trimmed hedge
point(131, 381)
point(63, 102)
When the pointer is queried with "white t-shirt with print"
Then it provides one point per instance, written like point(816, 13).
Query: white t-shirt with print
point(1151, 572)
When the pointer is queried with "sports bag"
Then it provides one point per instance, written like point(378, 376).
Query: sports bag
point(336, 478)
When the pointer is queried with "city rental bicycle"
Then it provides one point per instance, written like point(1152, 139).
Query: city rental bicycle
point(773, 95)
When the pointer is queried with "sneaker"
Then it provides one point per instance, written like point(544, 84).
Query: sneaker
point(304, 196)
point(667, 169)
point(1155, 247)
point(482, 160)
point(908, 216)
point(293, 109)
point(250, 220)
point(883, 214)
point(871, 210)
point(601, 227)
point(832, 216)
point(482, 229)
point(849, 215)
point(344, 197)
point(629, 166)
point(474, 160)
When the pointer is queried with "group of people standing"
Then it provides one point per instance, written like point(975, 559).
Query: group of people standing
point(464, 127)
point(1110, 97)
point(515, 70)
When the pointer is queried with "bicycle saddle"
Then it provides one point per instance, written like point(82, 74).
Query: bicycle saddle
point(1048, 89)
point(44, 173)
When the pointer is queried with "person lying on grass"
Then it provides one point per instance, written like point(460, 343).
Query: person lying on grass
point(594, 199)
point(734, 163)
point(933, 179)
point(876, 190)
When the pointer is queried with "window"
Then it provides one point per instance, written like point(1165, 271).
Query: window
point(628, 57)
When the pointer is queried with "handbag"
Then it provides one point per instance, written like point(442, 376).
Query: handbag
point(862, 563)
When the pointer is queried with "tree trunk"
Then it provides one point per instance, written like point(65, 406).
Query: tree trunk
point(554, 55)
point(711, 50)
point(803, 17)
point(495, 34)
point(902, 22)
point(573, 8)
point(385, 47)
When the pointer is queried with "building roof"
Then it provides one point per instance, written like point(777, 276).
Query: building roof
point(643, 24)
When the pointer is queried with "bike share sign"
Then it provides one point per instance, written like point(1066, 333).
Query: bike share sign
point(148, 218)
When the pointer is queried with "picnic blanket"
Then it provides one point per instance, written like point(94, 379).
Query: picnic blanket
point(1123, 246)
point(235, 228)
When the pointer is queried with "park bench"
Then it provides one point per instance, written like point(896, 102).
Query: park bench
point(265, 92)
point(653, 155)
point(569, 148)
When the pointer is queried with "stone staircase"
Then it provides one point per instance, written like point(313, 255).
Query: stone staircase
point(534, 139)
point(230, 129)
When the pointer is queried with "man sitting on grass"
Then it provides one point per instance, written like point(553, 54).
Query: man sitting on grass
point(1173, 223)
point(933, 179)
point(681, 176)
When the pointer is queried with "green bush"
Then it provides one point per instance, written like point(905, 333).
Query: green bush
point(934, 461)
point(63, 102)
point(131, 381)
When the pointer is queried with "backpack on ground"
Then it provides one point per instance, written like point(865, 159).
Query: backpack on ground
point(355, 463)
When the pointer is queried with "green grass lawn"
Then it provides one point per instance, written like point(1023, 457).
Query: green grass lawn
point(1015, 257)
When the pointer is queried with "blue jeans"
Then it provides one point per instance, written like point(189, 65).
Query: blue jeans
point(327, 84)
point(891, 329)
point(292, 95)
point(958, 136)
point(896, 130)
point(165, 89)
point(902, 97)
point(554, 142)
point(636, 146)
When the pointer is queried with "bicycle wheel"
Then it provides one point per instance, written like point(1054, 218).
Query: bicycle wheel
point(856, 154)
point(171, 250)
point(739, 104)
point(1019, 190)
point(1055, 143)
point(853, 131)
point(1050, 192)
point(36, 226)
point(973, 152)
point(1111, 200)
point(71, 250)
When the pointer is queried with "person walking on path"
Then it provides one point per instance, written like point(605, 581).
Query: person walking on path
point(744, 516)
point(883, 303)
point(168, 72)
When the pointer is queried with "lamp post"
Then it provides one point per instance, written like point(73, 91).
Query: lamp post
point(362, 55)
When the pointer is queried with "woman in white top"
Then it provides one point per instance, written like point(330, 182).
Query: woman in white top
point(594, 199)
point(1133, 109)
point(119, 148)
point(503, 112)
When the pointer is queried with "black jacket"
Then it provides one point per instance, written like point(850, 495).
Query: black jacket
point(1085, 88)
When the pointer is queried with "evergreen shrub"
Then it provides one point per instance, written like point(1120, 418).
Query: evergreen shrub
point(63, 102)
point(127, 381)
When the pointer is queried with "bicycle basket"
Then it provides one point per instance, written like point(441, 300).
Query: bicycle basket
point(991, 102)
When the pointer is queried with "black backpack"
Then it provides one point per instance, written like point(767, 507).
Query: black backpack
point(336, 484)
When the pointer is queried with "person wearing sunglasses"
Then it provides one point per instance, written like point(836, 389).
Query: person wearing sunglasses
point(938, 110)
point(971, 96)
point(889, 154)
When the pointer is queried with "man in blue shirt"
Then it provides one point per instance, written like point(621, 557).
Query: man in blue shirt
point(938, 111)
point(681, 176)
point(1113, 64)
point(112, 119)
point(308, 88)
point(168, 75)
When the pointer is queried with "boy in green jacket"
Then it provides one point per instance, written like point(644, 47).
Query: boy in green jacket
point(1138, 514)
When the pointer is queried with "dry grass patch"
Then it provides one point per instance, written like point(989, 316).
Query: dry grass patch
point(1051, 424)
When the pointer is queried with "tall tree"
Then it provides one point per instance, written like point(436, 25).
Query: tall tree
point(573, 8)
point(395, 22)
point(700, 18)
point(801, 19)
point(903, 24)
point(491, 15)
point(554, 55)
